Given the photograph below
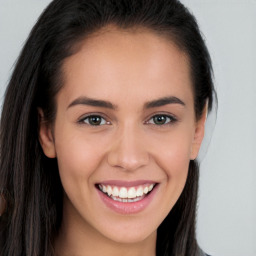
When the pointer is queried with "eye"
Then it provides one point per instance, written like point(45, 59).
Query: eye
point(161, 119)
point(94, 120)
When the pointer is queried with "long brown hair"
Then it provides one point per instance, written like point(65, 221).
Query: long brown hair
point(31, 180)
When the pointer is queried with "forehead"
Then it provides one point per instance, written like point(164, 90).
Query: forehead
point(115, 64)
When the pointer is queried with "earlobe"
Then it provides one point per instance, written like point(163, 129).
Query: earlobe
point(45, 136)
point(199, 134)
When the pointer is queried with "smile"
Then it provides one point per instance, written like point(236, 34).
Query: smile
point(126, 195)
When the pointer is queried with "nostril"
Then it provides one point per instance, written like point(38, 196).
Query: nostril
point(128, 161)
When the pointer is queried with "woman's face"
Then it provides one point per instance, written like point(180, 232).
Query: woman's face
point(124, 134)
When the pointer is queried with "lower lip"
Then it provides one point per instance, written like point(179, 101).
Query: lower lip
point(129, 207)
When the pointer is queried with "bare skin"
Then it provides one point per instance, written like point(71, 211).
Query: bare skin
point(141, 126)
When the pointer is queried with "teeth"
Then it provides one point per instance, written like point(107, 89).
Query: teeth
point(115, 191)
point(109, 190)
point(123, 192)
point(126, 194)
point(139, 191)
point(145, 190)
point(126, 200)
point(132, 193)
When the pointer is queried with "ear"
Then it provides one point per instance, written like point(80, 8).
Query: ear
point(199, 134)
point(45, 136)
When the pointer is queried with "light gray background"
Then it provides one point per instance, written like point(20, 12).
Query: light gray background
point(227, 205)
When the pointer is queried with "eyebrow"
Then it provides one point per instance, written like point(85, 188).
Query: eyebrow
point(163, 101)
point(92, 102)
point(106, 104)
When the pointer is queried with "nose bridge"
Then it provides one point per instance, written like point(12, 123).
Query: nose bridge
point(128, 150)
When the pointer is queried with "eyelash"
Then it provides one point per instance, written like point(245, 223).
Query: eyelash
point(83, 120)
point(166, 117)
point(171, 118)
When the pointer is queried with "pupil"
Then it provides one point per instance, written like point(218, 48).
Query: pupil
point(160, 119)
point(95, 120)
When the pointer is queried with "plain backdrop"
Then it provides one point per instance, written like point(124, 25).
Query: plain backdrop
point(226, 223)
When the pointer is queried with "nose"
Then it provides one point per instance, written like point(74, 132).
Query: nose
point(128, 150)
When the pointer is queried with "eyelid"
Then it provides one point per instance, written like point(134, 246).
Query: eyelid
point(85, 116)
point(173, 118)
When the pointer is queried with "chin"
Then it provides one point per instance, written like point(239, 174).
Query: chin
point(130, 237)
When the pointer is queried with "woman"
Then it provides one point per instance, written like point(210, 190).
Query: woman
point(103, 119)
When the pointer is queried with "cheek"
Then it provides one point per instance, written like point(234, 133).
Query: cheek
point(78, 157)
point(173, 157)
point(175, 162)
point(173, 153)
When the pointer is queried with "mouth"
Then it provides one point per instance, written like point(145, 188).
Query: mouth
point(127, 197)
point(126, 194)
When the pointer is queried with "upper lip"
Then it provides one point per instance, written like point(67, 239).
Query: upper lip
point(122, 183)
